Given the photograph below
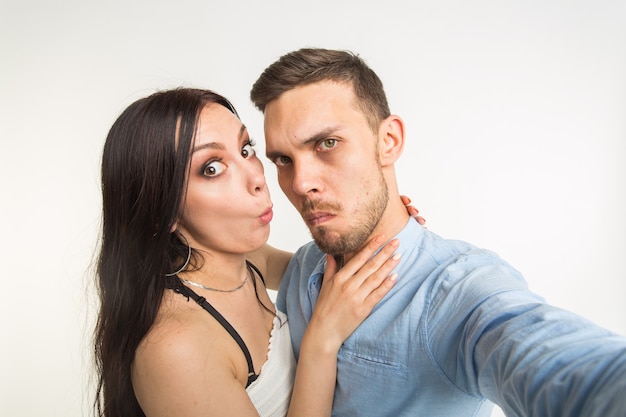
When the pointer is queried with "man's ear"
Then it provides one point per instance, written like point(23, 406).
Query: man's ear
point(391, 144)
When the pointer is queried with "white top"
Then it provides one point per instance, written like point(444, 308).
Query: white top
point(271, 391)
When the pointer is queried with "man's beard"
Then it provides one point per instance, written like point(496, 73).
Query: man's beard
point(369, 213)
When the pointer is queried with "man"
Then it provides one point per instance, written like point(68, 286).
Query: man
point(460, 326)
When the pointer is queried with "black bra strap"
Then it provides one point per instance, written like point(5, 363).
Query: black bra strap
point(182, 289)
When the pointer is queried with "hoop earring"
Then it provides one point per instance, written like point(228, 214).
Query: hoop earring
point(182, 268)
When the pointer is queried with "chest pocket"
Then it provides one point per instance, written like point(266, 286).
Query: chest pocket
point(366, 362)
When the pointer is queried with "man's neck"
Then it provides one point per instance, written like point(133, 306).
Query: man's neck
point(340, 260)
point(394, 219)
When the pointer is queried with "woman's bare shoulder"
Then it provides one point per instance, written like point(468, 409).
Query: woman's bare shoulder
point(181, 355)
point(178, 332)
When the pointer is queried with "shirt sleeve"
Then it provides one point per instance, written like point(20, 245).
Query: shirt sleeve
point(492, 337)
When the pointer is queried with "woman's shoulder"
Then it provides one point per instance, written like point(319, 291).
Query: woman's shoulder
point(182, 334)
point(176, 333)
point(183, 355)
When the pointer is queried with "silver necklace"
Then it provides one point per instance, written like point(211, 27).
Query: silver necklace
point(204, 287)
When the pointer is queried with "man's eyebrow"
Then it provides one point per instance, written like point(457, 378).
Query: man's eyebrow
point(272, 156)
point(319, 136)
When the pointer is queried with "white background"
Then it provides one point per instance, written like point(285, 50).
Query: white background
point(515, 112)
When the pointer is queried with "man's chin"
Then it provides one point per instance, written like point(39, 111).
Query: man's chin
point(333, 243)
point(329, 242)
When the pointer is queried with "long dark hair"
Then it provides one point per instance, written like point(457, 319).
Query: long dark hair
point(144, 166)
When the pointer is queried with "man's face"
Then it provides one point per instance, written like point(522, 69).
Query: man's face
point(327, 160)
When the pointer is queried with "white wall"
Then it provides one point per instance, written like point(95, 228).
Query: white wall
point(516, 142)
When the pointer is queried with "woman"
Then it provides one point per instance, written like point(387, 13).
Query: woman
point(186, 327)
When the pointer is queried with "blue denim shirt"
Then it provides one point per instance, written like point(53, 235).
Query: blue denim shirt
point(460, 328)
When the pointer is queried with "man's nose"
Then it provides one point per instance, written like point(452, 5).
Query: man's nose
point(306, 178)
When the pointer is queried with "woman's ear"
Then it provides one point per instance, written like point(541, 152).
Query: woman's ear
point(391, 144)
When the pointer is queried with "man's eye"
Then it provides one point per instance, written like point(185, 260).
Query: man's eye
point(213, 169)
point(248, 150)
point(328, 144)
point(281, 161)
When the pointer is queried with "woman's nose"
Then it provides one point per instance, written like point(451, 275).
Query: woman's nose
point(256, 177)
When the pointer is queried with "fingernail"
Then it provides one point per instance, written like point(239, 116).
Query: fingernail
point(397, 256)
point(393, 277)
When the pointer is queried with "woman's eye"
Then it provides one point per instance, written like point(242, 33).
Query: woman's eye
point(248, 150)
point(328, 144)
point(213, 169)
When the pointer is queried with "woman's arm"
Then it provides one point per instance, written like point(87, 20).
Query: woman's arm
point(346, 298)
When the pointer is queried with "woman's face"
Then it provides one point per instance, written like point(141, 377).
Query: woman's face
point(227, 208)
